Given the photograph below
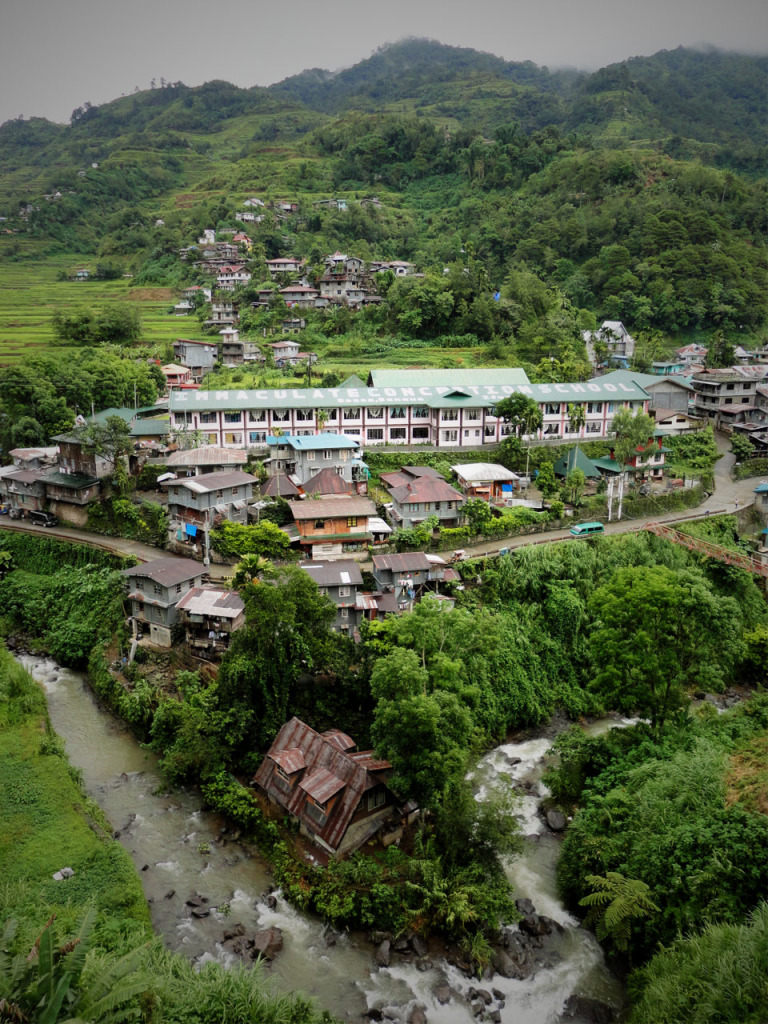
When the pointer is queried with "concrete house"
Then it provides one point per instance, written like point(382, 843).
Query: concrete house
point(668, 394)
point(209, 459)
point(300, 296)
point(302, 456)
point(154, 590)
point(725, 395)
point(333, 527)
point(613, 334)
point(285, 265)
point(176, 376)
point(198, 504)
point(198, 356)
point(339, 796)
point(420, 497)
point(340, 581)
point(23, 488)
point(405, 576)
point(236, 351)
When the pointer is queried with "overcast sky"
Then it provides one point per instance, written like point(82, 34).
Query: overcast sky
point(57, 54)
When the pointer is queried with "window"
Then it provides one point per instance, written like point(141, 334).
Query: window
point(450, 504)
point(178, 588)
point(319, 524)
point(157, 588)
point(594, 407)
point(729, 387)
point(351, 520)
point(323, 591)
point(305, 414)
point(232, 417)
point(331, 414)
point(351, 414)
point(427, 506)
point(397, 434)
point(490, 431)
point(232, 439)
point(344, 591)
point(471, 414)
point(280, 416)
point(376, 798)
point(212, 438)
point(310, 456)
point(327, 454)
point(208, 417)
point(257, 437)
point(420, 412)
point(420, 433)
point(375, 434)
point(593, 428)
point(552, 409)
point(344, 612)
point(348, 433)
point(728, 401)
point(448, 415)
point(375, 412)
point(397, 412)
point(257, 417)
point(219, 495)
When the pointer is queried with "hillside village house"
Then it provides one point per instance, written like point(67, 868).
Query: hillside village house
point(418, 493)
point(445, 415)
point(209, 459)
point(300, 296)
point(196, 504)
point(223, 314)
point(210, 615)
point(154, 590)
point(302, 456)
point(405, 576)
point(236, 351)
point(340, 581)
point(486, 480)
point(333, 527)
point(669, 395)
point(727, 395)
point(176, 376)
point(339, 796)
point(197, 356)
point(327, 482)
point(617, 339)
point(22, 483)
point(285, 265)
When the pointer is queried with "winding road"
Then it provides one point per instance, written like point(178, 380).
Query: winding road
point(728, 496)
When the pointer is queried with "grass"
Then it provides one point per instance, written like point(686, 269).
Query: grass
point(747, 779)
point(49, 823)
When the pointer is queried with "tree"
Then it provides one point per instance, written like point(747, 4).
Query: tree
point(575, 482)
point(742, 447)
point(614, 902)
point(632, 432)
point(265, 539)
point(546, 481)
point(249, 570)
point(721, 353)
point(110, 440)
point(577, 417)
point(525, 416)
point(478, 514)
point(657, 634)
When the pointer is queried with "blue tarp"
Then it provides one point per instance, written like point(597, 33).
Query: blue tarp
point(191, 530)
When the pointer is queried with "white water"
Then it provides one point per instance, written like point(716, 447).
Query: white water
point(167, 832)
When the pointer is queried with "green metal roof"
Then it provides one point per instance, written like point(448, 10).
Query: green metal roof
point(155, 427)
point(353, 381)
point(607, 465)
point(576, 459)
point(73, 481)
point(413, 378)
point(643, 380)
point(125, 414)
point(434, 396)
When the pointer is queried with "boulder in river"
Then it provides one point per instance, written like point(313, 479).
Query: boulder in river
point(586, 1011)
point(382, 955)
point(420, 946)
point(535, 925)
point(200, 912)
point(556, 820)
point(443, 993)
point(267, 943)
point(417, 1015)
point(525, 907)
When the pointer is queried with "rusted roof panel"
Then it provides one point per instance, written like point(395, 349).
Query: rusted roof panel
point(290, 761)
point(339, 739)
point(321, 785)
point(415, 561)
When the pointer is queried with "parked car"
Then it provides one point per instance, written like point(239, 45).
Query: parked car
point(16, 513)
point(43, 519)
point(3, 510)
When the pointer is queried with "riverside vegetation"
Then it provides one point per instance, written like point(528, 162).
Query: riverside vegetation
point(670, 832)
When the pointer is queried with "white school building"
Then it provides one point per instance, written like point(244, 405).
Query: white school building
point(445, 415)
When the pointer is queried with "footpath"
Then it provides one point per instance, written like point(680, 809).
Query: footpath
point(729, 496)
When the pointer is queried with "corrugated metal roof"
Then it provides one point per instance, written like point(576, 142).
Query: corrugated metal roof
point(290, 760)
point(332, 508)
point(223, 604)
point(341, 774)
point(480, 472)
point(339, 573)
point(279, 486)
point(411, 561)
point(643, 380)
point(314, 442)
point(166, 571)
point(328, 481)
point(425, 489)
point(412, 378)
point(339, 739)
point(209, 455)
point(215, 481)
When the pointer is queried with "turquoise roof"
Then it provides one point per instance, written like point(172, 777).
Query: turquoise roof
point(761, 489)
point(608, 465)
point(142, 428)
point(314, 442)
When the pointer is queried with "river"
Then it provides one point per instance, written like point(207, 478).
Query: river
point(178, 851)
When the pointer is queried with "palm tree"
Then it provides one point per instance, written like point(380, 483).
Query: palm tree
point(321, 418)
point(577, 417)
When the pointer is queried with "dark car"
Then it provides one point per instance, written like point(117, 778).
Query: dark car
point(43, 519)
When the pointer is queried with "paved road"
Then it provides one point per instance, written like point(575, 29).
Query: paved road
point(729, 496)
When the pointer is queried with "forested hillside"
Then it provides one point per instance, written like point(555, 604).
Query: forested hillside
point(632, 193)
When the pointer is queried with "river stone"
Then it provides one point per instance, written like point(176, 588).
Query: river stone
point(586, 1011)
point(170, 894)
point(381, 956)
point(200, 912)
point(514, 760)
point(498, 995)
point(477, 1008)
point(556, 820)
point(417, 1016)
point(554, 926)
point(373, 1013)
point(196, 901)
point(401, 945)
point(525, 907)
point(420, 946)
point(443, 994)
point(535, 925)
point(268, 942)
point(485, 995)
point(495, 1017)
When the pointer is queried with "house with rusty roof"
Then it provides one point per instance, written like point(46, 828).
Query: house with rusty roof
point(339, 796)
point(342, 583)
point(424, 496)
point(333, 526)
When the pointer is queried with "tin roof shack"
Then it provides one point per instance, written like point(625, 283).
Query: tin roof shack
point(340, 581)
point(197, 356)
point(73, 459)
point(486, 480)
point(200, 461)
point(211, 615)
point(197, 504)
point(154, 590)
point(334, 526)
point(339, 796)
point(405, 577)
point(23, 488)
